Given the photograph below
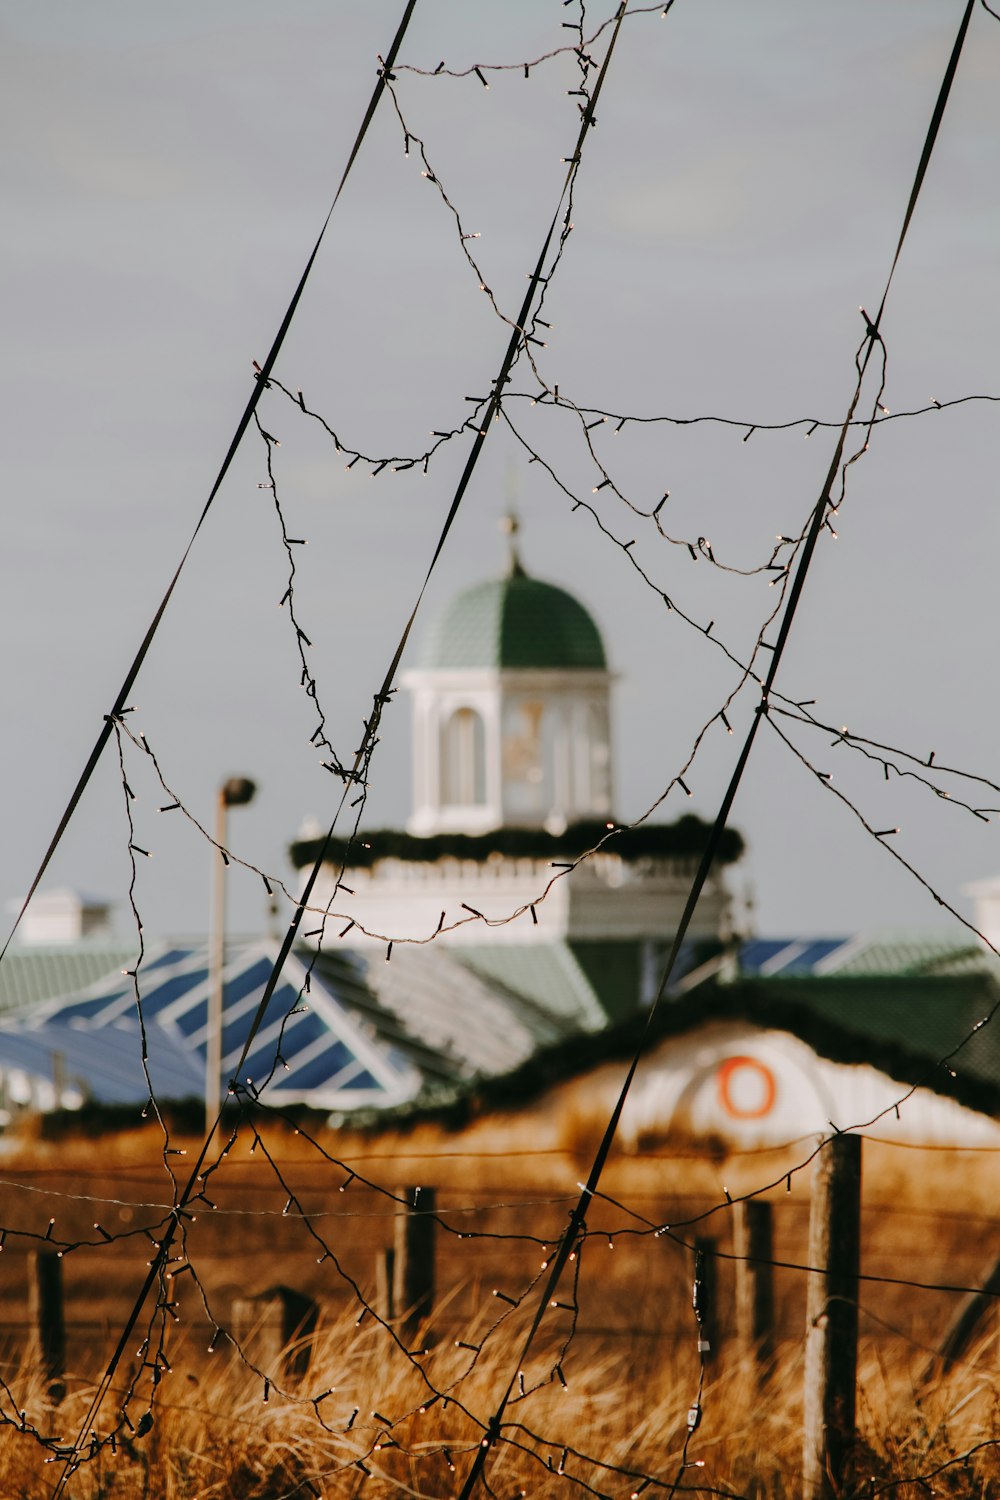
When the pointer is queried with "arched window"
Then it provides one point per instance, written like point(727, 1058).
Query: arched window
point(463, 760)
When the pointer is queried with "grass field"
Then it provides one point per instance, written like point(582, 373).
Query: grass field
point(615, 1411)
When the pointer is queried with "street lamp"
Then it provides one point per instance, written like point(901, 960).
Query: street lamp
point(236, 792)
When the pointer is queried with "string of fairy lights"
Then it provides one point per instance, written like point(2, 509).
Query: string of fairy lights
point(562, 1461)
point(872, 344)
point(620, 1233)
point(462, 1379)
point(177, 1227)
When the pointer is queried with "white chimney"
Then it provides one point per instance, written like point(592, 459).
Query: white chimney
point(64, 916)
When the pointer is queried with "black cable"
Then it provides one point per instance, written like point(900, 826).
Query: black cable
point(381, 698)
point(110, 720)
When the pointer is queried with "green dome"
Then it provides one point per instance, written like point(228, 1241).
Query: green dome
point(517, 622)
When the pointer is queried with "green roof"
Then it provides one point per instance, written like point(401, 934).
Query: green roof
point(922, 1029)
point(546, 973)
point(515, 621)
point(926, 954)
point(919, 1030)
point(31, 975)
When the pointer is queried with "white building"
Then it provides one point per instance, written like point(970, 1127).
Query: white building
point(512, 936)
point(512, 784)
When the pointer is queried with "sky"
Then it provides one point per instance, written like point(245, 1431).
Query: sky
point(164, 173)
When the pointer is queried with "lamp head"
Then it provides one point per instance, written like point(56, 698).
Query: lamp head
point(237, 791)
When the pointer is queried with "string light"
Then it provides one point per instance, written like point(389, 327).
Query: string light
point(309, 683)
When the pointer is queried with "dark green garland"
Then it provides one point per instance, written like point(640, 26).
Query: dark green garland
point(684, 839)
point(844, 1034)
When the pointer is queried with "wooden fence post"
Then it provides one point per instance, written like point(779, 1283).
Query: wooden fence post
point(704, 1296)
point(277, 1328)
point(754, 1248)
point(384, 1269)
point(45, 1314)
point(831, 1355)
point(413, 1268)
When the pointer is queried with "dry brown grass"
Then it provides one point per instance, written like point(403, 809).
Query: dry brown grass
point(214, 1437)
point(631, 1371)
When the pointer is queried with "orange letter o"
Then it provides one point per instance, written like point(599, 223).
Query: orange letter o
point(733, 1107)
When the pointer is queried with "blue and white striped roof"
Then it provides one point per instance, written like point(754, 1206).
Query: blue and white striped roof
point(771, 956)
point(366, 1035)
point(370, 1035)
point(310, 1047)
point(62, 1065)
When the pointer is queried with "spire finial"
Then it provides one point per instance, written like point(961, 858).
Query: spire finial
point(510, 525)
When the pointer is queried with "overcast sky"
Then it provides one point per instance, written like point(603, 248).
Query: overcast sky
point(164, 171)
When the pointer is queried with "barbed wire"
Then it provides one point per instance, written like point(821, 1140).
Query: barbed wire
point(820, 517)
point(276, 1386)
point(121, 700)
point(876, 1207)
point(574, 49)
point(238, 1091)
point(881, 835)
point(554, 399)
point(480, 1346)
point(307, 680)
point(798, 713)
point(171, 1237)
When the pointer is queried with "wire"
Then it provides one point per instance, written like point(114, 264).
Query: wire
point(119, 708)
point(872, 340)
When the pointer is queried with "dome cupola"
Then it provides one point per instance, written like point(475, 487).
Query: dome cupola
point(514, 623)
point(510, 710)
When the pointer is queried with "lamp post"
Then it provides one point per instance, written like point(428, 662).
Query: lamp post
point(236, 792)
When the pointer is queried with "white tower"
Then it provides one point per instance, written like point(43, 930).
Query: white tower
point(512, 784)
point(511, 724)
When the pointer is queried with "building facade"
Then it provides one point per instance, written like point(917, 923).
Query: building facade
point(512, 837)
